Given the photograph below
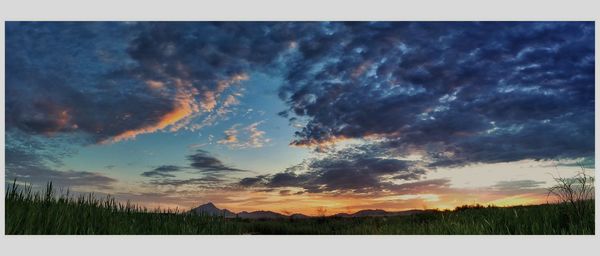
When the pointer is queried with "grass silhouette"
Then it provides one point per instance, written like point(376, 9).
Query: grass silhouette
point(45, 212)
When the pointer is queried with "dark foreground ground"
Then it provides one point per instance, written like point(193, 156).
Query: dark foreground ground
point(44, 213)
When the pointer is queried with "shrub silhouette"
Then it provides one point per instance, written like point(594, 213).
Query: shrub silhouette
point(576, 193)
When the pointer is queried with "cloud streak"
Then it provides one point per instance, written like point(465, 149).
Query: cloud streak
point(163, 171)
point(202, 161)
point(253, 137)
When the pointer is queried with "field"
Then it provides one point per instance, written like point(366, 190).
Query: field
point(31, 213)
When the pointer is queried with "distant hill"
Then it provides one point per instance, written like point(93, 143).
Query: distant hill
point(376, 213)
point(212, 210)
point(261, 215)
point(299, 216)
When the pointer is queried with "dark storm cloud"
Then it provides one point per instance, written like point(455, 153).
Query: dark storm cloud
point(202, 161)
point(419, 83)
point(113, 81)
point(463, 92)
point(213, 172)
point(586, 163)
point(60, 86)
point(98, 82)
point(252, 181)
point(205, 52)
point(346, 170)
point(163, 171)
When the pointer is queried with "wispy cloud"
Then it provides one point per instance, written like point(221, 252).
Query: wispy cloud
point(253, 137)
point(162, 171)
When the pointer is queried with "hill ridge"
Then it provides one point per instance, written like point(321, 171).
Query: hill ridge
point(212, 210)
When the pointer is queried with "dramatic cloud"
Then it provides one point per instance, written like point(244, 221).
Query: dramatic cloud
point(62, 85)
point(346, 170)
point(202, 161)
point(252, 181)
point(456, 93)
point(418, 95)
point(113, 81)
point(163, 171)
point(206, 170)
point(449, 88)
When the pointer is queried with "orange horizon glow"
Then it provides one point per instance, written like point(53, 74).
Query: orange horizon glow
point(311, 205)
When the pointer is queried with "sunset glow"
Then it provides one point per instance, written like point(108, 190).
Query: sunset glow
point(301, 117)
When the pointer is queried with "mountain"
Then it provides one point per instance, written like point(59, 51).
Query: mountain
point(371, 213)
point(376, 213)
point(261, 215)
point(212, 210)
point(299, 216)
point(342, 214)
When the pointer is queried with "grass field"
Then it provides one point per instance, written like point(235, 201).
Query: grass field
point(44, 212)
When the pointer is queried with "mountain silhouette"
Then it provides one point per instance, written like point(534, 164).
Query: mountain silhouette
point(211, 210)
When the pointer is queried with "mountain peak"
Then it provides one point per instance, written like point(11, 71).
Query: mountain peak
point(212, 210)
point(209, 204)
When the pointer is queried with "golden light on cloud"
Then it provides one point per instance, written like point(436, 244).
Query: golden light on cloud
point(183, 109)
point(62, 117)
point(224, 84)
point(319, 143)
point(210, 97)
point(185, 106)
point(155, 85)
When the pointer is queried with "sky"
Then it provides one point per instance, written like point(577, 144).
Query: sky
point(299, 116)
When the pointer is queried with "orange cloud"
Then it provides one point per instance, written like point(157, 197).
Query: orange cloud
point(253, 137)
point(182, 109)
point(319, 143)
point(256, 139)
point(185, 107)
point(224, 84)
point(155, 85)
point(62, 119)
point(230, 136)
point(210, 97)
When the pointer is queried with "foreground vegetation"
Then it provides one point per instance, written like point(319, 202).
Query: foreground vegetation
point(44, 212)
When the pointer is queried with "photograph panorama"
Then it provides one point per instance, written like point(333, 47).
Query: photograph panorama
point(415, 128)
